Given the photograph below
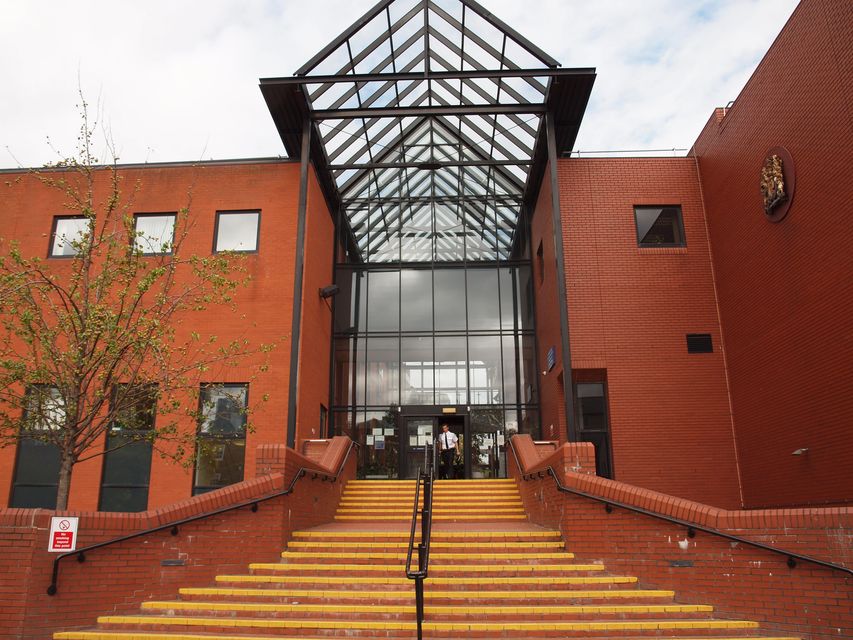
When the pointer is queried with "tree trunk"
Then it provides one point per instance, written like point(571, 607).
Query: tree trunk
point(66, 463)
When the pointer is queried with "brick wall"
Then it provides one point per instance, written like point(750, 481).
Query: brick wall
point(630, 309)
point(316, 331)
point(263, 313)
point(739, 581)
point(786, 289)
point(545, 293)
point(116, 579)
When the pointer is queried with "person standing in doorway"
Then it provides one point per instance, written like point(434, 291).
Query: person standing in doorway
point(448, 444)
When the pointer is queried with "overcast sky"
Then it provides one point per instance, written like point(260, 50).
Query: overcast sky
point(178, 79)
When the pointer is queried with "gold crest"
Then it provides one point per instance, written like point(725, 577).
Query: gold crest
point(772, 183)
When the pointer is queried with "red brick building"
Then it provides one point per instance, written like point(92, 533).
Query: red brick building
point(437, 257)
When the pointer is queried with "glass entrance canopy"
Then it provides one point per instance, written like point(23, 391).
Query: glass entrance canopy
point(428, 120)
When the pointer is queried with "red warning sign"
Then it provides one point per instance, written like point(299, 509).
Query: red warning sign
point(63, 534)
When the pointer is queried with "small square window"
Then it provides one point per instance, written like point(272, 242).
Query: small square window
point(67, 233)
point(659, 226)
point(155, 233)
point(237, 231)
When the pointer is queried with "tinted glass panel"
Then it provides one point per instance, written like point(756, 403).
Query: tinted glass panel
point(223, 408)
point(507, 276)
point(66, 232)
point(38, 463)
point(383, 295)
point(29, 497)
point(155, 233)
point(591, 407)
point(129, 465)
point(483, 300)
point(344, 372)
point(382, 379)
point(484, 370)
point(449, 299)
point(220, 462)
point(237, 231)
point(451, 371)
point(124, 499)
point(509, 353)
point(378, 431)
point(659, 226)
point(416, 295)
point(417, 371)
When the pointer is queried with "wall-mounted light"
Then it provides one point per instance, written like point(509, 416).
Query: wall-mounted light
point(329, 291)
point(799, 452)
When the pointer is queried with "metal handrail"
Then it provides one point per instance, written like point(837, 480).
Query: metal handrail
point(691, 527)
point(420, 575)
point(175, 525)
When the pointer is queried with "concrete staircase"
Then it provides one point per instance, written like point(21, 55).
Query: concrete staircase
point(492, 575)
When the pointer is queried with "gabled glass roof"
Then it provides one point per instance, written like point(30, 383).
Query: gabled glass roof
point(429, 116)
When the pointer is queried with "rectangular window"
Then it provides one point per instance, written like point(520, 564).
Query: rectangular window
point(593, 424)
point(66, 235)
point(154, 233)
point(221, 450)
point(36, 478)
point(699, 343)
point(127, 462)
point(237, 231)
point(659, 226)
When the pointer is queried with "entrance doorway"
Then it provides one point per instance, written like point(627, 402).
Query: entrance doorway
point(420, 433)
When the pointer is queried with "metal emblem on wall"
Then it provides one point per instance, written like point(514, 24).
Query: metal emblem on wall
point(777, 183)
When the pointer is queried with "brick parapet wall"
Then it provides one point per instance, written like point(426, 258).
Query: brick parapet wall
point(738, 580)
point(117, 578)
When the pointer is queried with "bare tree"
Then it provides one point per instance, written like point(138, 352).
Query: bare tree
point(95, 342)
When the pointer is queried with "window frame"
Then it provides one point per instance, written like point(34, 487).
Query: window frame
point(216, 437)
point(219, 213)
point(134, 241)
point(681, 242)
point(115, 429)
point(22, 435)
point(52, 241)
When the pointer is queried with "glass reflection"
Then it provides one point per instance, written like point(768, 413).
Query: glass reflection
point(416, 297)
point(483, 301)
point(417, 371)
point(449, 299)
point(484, 367)
point(383, 301)
point(451, 371)
point(382, 371)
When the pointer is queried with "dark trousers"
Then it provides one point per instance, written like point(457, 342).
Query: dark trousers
point(445, 471)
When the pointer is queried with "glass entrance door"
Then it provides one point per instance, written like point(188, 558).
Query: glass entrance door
point(418, 437)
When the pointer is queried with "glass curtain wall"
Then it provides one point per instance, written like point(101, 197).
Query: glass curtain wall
point(432, 335)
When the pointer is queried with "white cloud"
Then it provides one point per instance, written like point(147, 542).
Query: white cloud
point(178, 80)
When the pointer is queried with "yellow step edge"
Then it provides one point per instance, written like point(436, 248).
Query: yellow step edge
point(438, 568)
point(436, 555)
point(301, 544)
point(400, 518)
point(158, 635)
point(178, 605)
point(625, 625)
point(436, 535)
point(457, 580)
point(608, 594)
point(618, 625)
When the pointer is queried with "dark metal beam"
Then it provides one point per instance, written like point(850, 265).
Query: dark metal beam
point(418, 112)
point(428, 165)
point(562, 295)
point(296, 319)
point(432, 75)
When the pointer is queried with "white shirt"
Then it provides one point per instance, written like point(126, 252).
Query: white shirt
point(448, 440)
